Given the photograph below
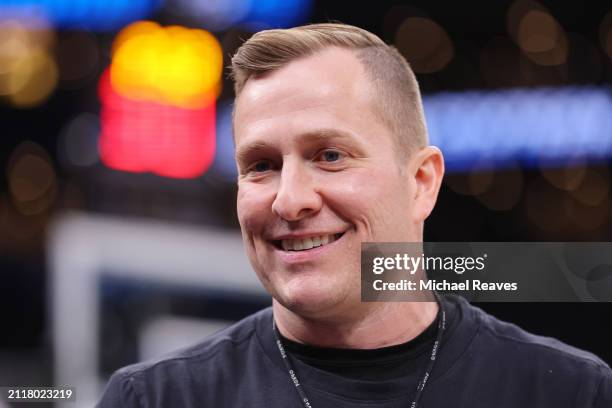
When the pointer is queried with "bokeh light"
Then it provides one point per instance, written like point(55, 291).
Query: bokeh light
point(424, 56)
point(225, 163)
point(17, 228)
point(34, 79)
point(32, 180)
point(472, 181)
point(276, 13)
point(173, 65)
point(605, 34)
point(28, 73)
point(517, 11)
point(594, 187)
point(536, 127)
point(547, 207)
point(395, 16)
point(565, 178)
point(219, 15)
point(98, 15)
point(78, 58)
point(480, 181)
point(505, 190)
point(537, 33)
point(142, 136)
point(588, 218)
point(500, 63)
point(78, 141)
point(13, 48)
point(577, 214)
point(158, 100)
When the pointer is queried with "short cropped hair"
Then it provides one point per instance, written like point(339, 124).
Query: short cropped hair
point(397, 99)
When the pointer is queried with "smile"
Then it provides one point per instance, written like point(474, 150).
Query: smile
point(306, 243)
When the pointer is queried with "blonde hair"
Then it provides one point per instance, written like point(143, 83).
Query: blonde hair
point(397, 100)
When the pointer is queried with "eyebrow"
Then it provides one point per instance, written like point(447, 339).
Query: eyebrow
point(312, 136)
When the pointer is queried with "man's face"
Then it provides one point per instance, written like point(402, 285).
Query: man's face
point(317, 168)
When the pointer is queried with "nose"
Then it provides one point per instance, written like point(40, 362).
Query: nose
point(297, 196)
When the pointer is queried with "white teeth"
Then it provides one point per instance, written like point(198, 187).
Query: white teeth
point(285, 244)
point(297, 245)
point(306, 243)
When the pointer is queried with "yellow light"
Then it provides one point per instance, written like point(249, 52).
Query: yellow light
point(537, 33)
point(542, 38)
point(565, 178)
point(13, 47)
point(28, 73)
point(32, 180)
point(173, 65)
point(33, 80)
point(594, 188)
point(427, 56)
point(140, 28)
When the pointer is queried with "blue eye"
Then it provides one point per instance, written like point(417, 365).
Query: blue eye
point(261, 166)
point(331, 155)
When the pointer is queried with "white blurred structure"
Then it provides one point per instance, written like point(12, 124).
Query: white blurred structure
point(83, 246)
point(165, 334)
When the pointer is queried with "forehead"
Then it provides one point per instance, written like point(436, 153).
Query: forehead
point(326, 90)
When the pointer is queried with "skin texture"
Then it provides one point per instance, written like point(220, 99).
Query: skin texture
point(313, 159)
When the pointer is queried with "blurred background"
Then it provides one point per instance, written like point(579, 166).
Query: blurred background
point(118, 233)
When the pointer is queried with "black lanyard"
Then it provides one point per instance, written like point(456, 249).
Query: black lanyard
point(421, 384)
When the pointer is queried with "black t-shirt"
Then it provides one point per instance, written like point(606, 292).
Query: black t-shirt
point(380, 364)
point(482, 362)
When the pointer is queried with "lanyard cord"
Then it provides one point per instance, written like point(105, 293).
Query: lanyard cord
point(421, 384)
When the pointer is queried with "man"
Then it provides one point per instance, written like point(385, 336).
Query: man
point(332, 151)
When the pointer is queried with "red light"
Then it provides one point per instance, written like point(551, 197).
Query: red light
point(139, 136)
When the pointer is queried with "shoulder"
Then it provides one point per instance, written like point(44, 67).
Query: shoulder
point(222, 352)
point(510, 347)
point(228, 340)
point(508, 335)
point(501, 357)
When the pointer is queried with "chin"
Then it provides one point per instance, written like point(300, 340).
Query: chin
point(312, 301)
point(317, 311)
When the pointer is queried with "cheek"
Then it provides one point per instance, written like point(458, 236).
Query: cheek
point(372, 199)
point(355, 186)
point(252, 205)
point(252, 216)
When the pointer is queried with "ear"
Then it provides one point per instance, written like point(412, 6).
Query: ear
point(427, 168)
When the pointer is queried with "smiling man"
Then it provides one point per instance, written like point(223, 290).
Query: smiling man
point(320, 172)
point(332, 151)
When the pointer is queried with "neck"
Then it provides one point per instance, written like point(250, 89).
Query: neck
point(382, 325)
